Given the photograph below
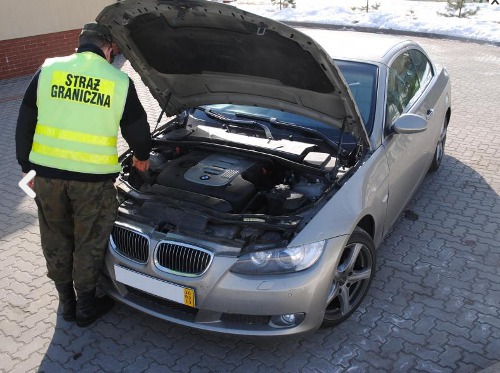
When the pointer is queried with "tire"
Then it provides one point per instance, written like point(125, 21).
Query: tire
point(439, 152)
point(352, 278)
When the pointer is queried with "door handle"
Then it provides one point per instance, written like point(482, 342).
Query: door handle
point(430, 113)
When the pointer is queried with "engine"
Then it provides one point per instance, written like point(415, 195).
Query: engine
point(229, 183)
point(226, 177)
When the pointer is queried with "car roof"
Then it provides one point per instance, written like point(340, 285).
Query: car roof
point(357, 46)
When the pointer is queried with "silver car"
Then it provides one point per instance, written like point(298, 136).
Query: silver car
point(287, 157)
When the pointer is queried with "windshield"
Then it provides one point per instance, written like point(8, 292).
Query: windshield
point(362, 80)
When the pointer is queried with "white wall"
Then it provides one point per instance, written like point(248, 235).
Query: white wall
point(20, 18)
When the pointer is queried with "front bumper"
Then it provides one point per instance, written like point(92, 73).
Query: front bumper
point(227, 302)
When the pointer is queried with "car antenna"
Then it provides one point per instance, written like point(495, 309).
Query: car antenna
point(167, 100)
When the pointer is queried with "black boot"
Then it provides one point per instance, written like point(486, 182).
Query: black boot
point(89, 308)
point(67, 301)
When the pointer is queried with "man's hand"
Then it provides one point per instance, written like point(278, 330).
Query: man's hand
point(140, 165)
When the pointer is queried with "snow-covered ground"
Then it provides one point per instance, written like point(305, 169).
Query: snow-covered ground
point(407, 15)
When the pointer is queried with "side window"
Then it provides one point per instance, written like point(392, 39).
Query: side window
point(423, 68)
point(403, 84)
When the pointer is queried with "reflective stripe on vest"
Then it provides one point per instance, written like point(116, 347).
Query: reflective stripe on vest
point(74, 155)
point(80, 102)
point(75, 136)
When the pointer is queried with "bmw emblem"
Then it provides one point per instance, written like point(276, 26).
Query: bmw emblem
point(204, 177)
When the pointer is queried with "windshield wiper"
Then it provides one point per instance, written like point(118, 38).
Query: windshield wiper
point(214, 115)
point(277, 123)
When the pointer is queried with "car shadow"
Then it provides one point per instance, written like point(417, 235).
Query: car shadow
point(434, 266)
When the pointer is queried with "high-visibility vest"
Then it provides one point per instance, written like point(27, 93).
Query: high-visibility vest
point(80, 101)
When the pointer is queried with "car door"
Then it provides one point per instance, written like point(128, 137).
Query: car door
point(409, 78)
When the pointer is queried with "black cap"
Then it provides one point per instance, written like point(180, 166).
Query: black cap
point(97, 29)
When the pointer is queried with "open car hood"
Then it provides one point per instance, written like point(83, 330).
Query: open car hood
point(193, 52)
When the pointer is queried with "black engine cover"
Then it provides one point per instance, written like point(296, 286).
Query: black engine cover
point(216, 175)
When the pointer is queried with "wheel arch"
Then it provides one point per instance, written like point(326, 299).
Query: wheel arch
point(367, 223)
point(448, 115)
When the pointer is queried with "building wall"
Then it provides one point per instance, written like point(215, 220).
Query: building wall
point(23, 56)
point(32, 30)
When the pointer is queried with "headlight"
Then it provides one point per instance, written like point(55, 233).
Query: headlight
point(289, 259)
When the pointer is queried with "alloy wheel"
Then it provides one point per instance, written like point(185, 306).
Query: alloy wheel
point(439, 152)
point(352, 278)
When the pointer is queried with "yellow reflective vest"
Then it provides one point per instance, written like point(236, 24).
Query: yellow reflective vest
point(80, 101)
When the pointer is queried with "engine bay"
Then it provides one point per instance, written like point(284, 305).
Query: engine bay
point(224, 182)
point(232, 183)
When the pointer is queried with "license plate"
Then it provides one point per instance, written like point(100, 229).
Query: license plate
point(151, 285)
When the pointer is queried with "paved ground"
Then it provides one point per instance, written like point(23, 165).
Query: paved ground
point(433, 307)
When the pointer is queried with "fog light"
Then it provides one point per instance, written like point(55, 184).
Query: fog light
point(288, 320)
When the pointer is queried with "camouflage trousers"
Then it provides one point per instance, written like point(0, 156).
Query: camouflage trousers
point(76, 219)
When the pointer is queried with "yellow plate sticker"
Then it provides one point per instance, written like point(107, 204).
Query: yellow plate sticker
point(189, 297)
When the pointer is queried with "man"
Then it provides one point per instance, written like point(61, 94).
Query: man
point(67, 132)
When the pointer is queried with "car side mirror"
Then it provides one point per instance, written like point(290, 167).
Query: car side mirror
point(409, 123)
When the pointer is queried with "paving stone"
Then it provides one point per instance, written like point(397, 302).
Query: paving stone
point(358, 368)
point(450, 357)
point(109, 364)
point(83, 358)
point(493, 347)
point(9, 345)
point(47, 366)
point(215, 365)
point(156, 368)
point(317, 365)
point(429, 366)
point(294, 363)
point(265, 369)
point(162, 356)
point(476, 359)
point(466, 368)
point(37, 344)
point(378, 362)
